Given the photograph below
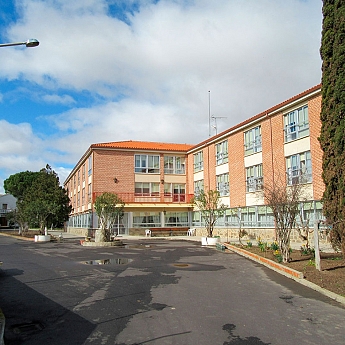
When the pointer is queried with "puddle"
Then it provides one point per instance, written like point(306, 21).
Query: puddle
point(122, 261)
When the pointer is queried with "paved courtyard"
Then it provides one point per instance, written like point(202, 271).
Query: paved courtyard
point(155, 291)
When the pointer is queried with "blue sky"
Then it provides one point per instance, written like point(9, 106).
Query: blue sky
point(141, 70)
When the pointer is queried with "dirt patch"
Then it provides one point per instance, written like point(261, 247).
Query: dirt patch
point(331, 276)
point(15, 233)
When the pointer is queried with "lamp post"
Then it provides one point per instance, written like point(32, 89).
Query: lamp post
point(29, 43)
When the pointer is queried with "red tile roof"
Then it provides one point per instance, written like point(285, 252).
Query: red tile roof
point(144, 145)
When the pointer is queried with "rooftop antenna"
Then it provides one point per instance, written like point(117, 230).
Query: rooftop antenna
point(209, 113)
point(215, 121)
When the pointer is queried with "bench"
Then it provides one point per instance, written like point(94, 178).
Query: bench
point(169, 231)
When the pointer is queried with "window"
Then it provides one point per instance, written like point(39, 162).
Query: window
point(298, 168)
point(83, 172)
point(223, 184)
point(83, 197)
point(167, 189)
point(90, 165)
point(179, 192)
point(89, 190)
point(78, 177)
point(232, 217)
point(198, 187)
point(146, 219)
point(146, 189)
point(176, 219)
point(4, 206)
point(252, 141)
point(222, 153)
point(248, 216)
point(198, 162)
point(176, 190)
point(147, 164)
point(296, 124)
point(254, 178)
point(265, 216)
point(174, 165)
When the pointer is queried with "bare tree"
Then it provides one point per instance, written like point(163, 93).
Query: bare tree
point(241, 232)
point(303, 228)
point(211, 208)
point(284, 201)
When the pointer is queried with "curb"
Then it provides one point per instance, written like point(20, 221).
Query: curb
point(286, 271)
point(289, 272)
point(18, 238)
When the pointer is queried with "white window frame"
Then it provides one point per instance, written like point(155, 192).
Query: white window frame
point(89, 165)
point(254, 178)
point(252, 141)
point(146, 189)
point(198, 187)
point(198, 161)
point(223, 184)
point(296, 124)
point(222, 153)
point(146, 164)
point(174, 165)
point(299, 168)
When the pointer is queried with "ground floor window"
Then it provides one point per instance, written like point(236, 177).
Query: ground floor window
point(146, 219)
point(80, 221)
point(176, 219)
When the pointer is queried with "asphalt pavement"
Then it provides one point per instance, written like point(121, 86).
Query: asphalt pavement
point(155, 291)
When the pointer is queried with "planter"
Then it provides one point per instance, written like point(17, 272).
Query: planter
point(209, 241)
point(42, 238)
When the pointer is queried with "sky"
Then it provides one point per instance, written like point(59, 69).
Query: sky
point(147, 70)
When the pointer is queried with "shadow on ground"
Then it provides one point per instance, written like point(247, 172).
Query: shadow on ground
point(33, 319)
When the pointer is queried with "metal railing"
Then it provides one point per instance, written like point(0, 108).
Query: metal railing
point(151, 197)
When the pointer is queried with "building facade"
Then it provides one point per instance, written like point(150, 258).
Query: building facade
point(158, 180)
point(7, 204)
point(151, 178)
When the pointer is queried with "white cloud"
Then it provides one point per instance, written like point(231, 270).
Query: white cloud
point(153, 76)
point(20, 149)
point(64, 99)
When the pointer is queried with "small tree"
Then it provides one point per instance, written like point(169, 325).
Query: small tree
point(211, 208)
point(20, 217)
point(108, 207)
point(284, 202)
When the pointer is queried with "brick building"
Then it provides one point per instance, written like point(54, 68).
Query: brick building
point(157, 180)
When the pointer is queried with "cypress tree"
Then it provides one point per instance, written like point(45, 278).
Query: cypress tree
point(332, 136)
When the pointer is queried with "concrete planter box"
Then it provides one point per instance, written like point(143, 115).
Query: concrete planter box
point(209, 241)
point(42, 238)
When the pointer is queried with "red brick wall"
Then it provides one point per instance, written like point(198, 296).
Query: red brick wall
point(190, 174)
point(109, 164)
point(273, 159)
point(209, 167)
point(236, 170)
point(314, 110)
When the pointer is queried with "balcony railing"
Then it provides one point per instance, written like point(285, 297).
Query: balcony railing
point(5, 210)
point(132, 198)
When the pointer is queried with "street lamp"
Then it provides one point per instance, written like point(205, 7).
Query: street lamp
point(29, 43)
